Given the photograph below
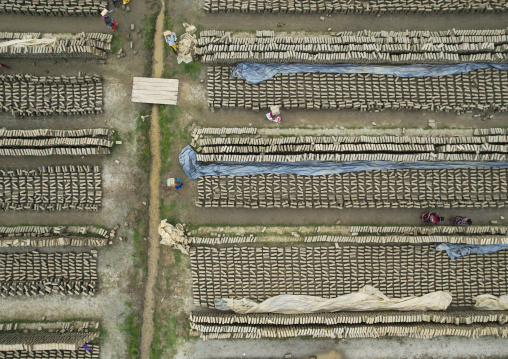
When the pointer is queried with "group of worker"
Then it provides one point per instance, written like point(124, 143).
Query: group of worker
point(170, 36)
point(432, 217)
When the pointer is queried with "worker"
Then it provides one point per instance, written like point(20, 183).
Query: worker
point(274, 114)
point(108, 20)
point(431, 217)
point(179, 183)
point(460, 221)
point(171, 39)
point(275, 118)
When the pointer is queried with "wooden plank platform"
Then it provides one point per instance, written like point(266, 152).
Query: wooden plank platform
point(158, 91)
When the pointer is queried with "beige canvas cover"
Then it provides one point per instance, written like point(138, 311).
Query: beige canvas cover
point(174, 236)
point(187, 44)
point(491, 302)
point(366, 299)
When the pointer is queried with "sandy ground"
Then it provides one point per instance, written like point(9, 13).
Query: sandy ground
point(438, 348)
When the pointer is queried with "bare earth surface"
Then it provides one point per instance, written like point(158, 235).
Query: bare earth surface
point(154, 210)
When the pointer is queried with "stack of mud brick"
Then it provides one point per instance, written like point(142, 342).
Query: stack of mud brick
point(27, 95)
point(375, 7)
point(82, 45)
point(53, 7)
point(46, 142)
point(348, 148)
point(328, 271)
point(216, 325)
point(223, 240)
point(478, 90)
point(482, 235)
point(42, 236)
point(51, 188)
point(406, 188)
point(52, 340)
point(37, 273)
point(364, 47)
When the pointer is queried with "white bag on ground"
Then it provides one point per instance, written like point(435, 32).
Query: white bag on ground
point(368, 298)
point(174, 236)
point(491, 302)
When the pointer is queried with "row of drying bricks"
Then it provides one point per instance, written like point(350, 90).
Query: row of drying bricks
point(347, 203)
point(488, 181)
point(35, 273)
point(382, 50)
point(363, 93)
point(54, 146)
point(39, 99)
point(434, 98)
point(62, 51)
point(37, 236)
point(481, 240)
point(71, 241)
point(484, 46)
point(374, 317)
point(317, 141)
point(341, 157)
point(51, 188)
point(263, 272)
point(422, 331)
point(360, 37)
point(59, 8)
point(81, 45)
point(353, 7)
point(349, 57)
point(34, 266)
point(199, 132)
point(392, 234)
point(280, 149)
point(94, 353)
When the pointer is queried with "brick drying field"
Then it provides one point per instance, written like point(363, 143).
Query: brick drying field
point(82, 190)
point(68, 178)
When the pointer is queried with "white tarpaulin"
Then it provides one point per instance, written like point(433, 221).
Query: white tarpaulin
point(28, 42)
point(174, 236)
point(491, 302)
point(368, 298)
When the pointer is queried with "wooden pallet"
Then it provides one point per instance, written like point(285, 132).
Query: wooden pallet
point(158, 91)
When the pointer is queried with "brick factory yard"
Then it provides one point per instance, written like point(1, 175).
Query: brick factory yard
point(145, 292)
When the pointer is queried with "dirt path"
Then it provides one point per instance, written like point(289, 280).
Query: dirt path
point(147, 328)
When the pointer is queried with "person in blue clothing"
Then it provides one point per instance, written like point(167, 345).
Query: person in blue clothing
point(171, 39)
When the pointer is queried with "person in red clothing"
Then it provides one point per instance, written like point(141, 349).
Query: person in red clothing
point(431, 217)
point(108, 20)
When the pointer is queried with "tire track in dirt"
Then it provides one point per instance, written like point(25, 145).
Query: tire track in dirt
point(147, 326)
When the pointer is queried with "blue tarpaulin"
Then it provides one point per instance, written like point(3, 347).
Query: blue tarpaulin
point(194, 168)
point(255, 72)
point(455, 251)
